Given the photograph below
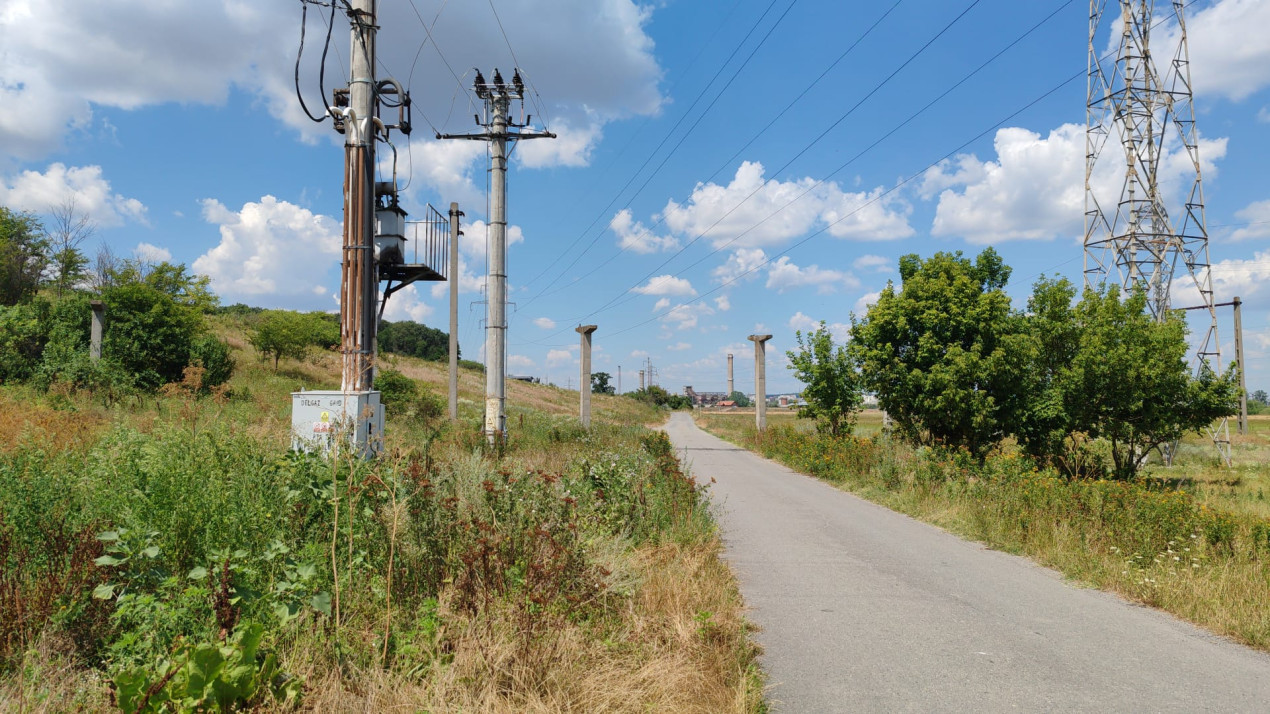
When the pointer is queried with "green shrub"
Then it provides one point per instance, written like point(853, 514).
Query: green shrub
point(395, 388)
point(23, 333)
point(149, 334)
point(213, 355)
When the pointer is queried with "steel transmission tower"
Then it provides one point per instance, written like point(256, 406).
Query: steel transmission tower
point(1146, 234)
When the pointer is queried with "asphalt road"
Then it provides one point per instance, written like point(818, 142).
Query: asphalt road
point(866, 610)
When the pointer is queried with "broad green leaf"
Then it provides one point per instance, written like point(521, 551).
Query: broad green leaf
point(105, 591)
point(199, 573)
point(322, 603)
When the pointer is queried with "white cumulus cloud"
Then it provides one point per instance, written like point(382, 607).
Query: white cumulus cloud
point(62, 59)
point(1035, 189)
point(38, 192)
point(785, 275)
point(633, 236)
point(1257, 217)
point(545, 323)
point(666, 285)
point(269, 248)
point(753, 211)
point(150, 253)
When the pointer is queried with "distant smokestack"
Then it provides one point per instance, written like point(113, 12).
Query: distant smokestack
point(730, 390)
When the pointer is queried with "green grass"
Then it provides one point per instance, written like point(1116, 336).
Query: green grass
point(144, 538)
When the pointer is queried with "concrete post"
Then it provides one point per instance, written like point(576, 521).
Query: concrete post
point(641, 380)
point(94, 345)
point(496, 283)
point(730, 387)
point(760, 380)
point(584, 377)
point(1239, 357)
point(454, 310)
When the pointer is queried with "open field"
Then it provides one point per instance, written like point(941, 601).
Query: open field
point(572, 571)
point(1192, 540)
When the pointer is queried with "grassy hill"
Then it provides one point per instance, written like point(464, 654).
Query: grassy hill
point(166, 550)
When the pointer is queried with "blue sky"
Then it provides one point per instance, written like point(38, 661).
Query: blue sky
point(680, 209)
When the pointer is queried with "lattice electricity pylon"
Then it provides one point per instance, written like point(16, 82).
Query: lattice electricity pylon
point(1133, 240)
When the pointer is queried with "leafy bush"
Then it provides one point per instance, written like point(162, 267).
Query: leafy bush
point(287, 334)
point(213, 355)
point(23, 333)
point(149, 333)
point(395, 388)
point(833, 393)
point(208, 676)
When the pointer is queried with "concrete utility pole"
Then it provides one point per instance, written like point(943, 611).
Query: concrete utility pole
point(455, 213)
point(358, 284)
point(730, 387)
point(497, 97)
point(641, 380)
point(94, 340)
point(584, 379)
point(760, 380)
point(1239, 358)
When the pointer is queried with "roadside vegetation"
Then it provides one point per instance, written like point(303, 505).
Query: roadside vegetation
point(1041, 432)
point(163, 550)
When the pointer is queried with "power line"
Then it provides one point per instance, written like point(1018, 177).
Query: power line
point(500, 29)
point(648, 231)
point(877, 198)
point(653, 153)
point(619, 298)
point(903, 182)
point(304, 17)
point(428, 32)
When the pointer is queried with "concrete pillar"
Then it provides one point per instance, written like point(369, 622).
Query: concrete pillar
point(760, 380)
point(641, 380)
point(454, 309)
point(94, 345)
point(1239, 357)
point(730, 387)
point(584, 378)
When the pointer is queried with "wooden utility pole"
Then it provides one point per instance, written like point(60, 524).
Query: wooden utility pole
point(498, 97)
point(358, 282)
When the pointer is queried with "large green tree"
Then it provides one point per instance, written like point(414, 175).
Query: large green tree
point(414, 340)
point(832, 393)
point(600, 383)
point(1044, 427)
point(23, 256)
point(943, 353)
point(1129, 382)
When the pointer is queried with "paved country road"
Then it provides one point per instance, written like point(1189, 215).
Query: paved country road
point(866, 610)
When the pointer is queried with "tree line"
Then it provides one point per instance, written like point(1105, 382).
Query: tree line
point(154, 310)
point(1089, 386)
point(156, 316)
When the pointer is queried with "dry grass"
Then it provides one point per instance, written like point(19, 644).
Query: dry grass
point(26, 419)
point(681, 646)
point(48, 681)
